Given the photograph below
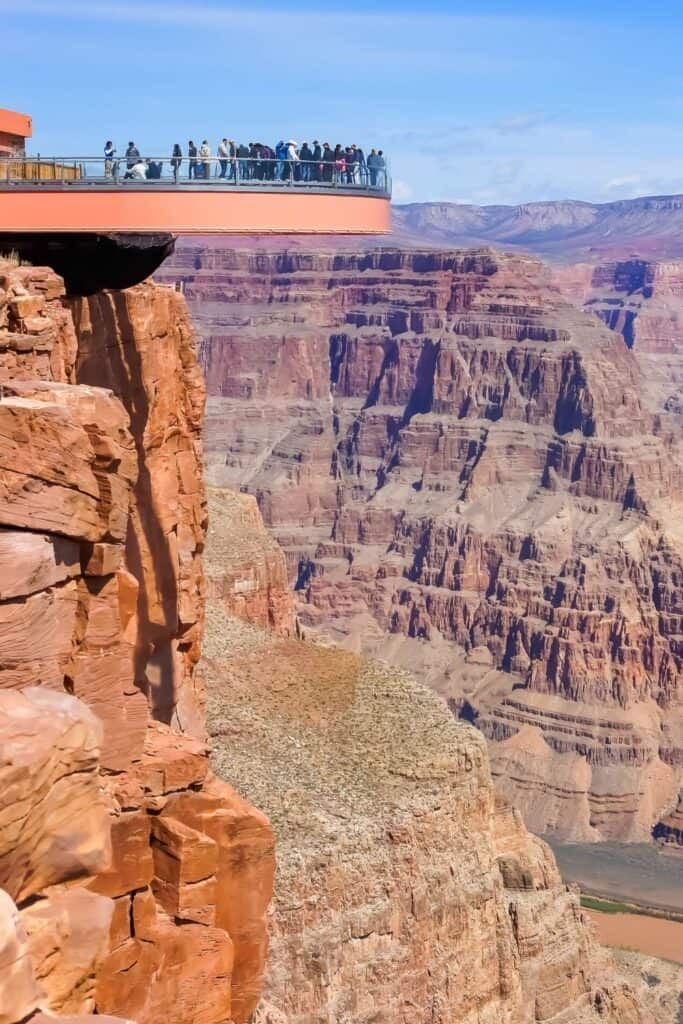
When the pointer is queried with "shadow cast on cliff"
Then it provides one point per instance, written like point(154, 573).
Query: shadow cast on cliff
point(110, 358)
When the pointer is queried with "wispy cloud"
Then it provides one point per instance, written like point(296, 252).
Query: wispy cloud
point(519, 124)
point(628, 180)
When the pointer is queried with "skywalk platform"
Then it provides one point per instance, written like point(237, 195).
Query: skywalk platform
point(66, 194)
point(109, 223)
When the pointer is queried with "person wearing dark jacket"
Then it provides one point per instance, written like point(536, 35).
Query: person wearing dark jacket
point(132, 155)
point(339, 164)
point(268, 162)
point(372, 166)
point(176, 160)
point(327, 160)
point(316, 158)
point(243, 157)
point(305, 165)
point(360, 164)
point(192, 153)
point(351, 162)
point(255, 168)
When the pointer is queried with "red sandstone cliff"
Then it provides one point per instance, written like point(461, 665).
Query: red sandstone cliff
point(475, 479)
point(135, 882)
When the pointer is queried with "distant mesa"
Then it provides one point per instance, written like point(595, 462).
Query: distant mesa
point(562, 231)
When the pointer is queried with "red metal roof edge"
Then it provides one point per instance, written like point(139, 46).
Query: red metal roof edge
point(14, 123)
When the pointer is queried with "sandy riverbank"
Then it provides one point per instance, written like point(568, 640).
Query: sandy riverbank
point(653, 936)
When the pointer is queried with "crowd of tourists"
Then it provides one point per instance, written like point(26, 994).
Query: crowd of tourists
point(287, 161)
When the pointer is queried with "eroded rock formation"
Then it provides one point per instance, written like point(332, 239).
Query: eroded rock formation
point(643, 301)
point(135, 882)
point(245, 568)
point(473, 478)
point(403, 893)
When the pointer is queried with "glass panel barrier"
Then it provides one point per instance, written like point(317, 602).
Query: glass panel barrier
point(183, 172)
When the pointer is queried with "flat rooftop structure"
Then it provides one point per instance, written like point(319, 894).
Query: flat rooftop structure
point(234, 196)
point(14, 130)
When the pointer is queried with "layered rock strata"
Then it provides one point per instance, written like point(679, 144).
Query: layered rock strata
point(245, 568)
point(404, 893)
point(135, 882)
point(643, 301)
point(473, 478)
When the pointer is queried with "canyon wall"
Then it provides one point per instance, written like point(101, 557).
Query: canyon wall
point(643, 301)
point(476, 480)
point(135, 883)
point(245, 568)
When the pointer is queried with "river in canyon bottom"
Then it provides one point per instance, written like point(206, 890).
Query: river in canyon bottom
point(636, 873)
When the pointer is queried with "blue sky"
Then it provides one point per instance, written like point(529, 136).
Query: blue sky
point(488, 102)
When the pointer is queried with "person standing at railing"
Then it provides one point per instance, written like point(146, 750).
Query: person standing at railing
point(381, 169)
point(291, 161)
point(109, 158)
point(223, 157)
point(132, 155)
point(205, 159)
point(316, 157)
point(372, 166)
point(267, 162)
point(339, 164)
point(360, 164)
point(280, 156)
point(192, 154)
point(327, 162)
point(243, 157)
point(351, 162)
point(176, 160)
point(306, 165)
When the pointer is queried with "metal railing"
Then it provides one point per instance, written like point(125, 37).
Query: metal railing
point(181, 172)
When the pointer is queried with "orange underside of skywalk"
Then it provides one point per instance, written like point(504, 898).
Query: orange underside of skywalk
point(191, 212)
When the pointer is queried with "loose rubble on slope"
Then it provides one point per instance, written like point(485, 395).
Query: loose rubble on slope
point(403, 892)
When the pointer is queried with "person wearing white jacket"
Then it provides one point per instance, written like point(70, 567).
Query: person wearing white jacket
point(291, 170)
point(205, 157)
point(224, 157)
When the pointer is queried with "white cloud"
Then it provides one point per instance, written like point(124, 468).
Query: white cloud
point(618, 183)
point(401, 190)
point(505, 172)
point(519, 124)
